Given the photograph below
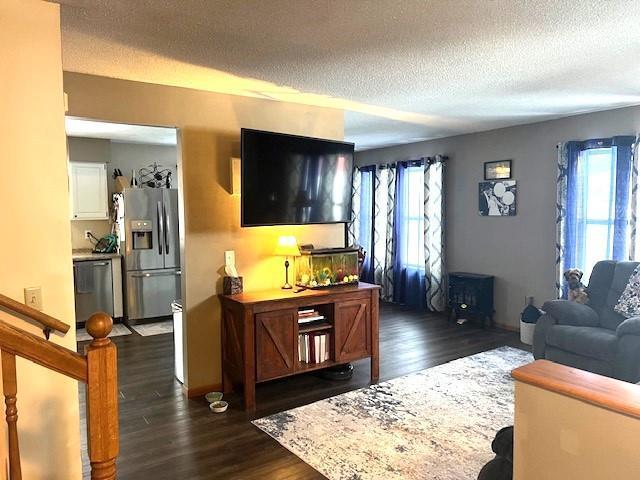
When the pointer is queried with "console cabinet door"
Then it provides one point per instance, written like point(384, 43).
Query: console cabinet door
point(352, 329)
point(275, 344)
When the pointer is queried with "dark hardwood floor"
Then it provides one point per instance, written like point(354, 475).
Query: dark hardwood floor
point(165, 436)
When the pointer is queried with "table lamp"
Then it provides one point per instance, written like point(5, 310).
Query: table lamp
point(287, 247)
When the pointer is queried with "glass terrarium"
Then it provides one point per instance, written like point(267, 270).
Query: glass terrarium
point(327, 267)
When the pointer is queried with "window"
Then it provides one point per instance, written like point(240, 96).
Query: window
point(596, 212)
point(412, 218)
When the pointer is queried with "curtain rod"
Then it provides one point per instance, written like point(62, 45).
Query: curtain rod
point(418, 161)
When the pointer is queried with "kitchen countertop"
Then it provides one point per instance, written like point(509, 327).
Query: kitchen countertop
point(86, 254)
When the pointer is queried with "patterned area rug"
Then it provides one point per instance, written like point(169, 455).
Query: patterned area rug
point(434, 424)
point(157, 328)
point(117, 331)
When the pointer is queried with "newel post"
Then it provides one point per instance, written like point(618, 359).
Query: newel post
point(10, 387)
point(102, 398)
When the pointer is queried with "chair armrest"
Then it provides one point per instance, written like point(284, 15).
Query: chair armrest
point(545, 322)
point(571, 313)
point(631, 326)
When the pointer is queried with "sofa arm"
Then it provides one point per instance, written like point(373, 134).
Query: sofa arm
point(631, 326)
point(544, 323)
point(627, 365)
point(571, 313)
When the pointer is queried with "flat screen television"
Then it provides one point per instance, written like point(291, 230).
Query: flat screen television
point(293, 180)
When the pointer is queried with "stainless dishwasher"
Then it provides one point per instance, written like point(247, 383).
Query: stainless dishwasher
point(93, 282)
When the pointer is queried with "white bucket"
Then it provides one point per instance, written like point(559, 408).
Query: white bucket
point(526, 332)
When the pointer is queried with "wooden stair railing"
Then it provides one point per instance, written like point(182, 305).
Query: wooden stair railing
point(47, 321)
point(97, 368)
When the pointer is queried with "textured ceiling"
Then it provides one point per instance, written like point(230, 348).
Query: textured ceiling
point(403, 70)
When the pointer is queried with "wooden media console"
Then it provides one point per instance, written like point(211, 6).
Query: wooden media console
point(260, 333)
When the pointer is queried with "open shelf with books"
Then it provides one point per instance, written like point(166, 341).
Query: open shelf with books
point(314, 347)
point(315, 324)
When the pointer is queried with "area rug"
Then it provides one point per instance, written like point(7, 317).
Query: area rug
point(434, 424)
point(156, 328)
point(117, 331)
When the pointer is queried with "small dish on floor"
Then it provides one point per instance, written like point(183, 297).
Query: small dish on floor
point(212, 397)
point(218, 407)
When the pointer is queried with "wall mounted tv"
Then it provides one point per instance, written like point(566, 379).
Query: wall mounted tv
point(292, 180)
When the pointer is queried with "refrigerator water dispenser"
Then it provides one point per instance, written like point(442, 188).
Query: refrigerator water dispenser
point(142, 233)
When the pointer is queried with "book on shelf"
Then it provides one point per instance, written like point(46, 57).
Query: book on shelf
point(309, 315)
point(313, 347)
point(302, 321)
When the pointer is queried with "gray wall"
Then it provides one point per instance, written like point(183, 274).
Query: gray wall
point(128, 156)
point(89, 149)
point(519, 250)
point(125, 156)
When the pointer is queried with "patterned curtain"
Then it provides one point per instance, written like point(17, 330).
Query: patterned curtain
point(572, 220)
point(383, 252)
point(434, 246)
point(634, 238)
point(561, 212)
point(353, 227)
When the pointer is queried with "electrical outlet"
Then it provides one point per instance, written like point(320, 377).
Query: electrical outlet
point(87, 234)
point(229, 257)
point(33, 297)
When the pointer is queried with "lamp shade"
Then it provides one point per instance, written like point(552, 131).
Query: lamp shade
point(287, 247)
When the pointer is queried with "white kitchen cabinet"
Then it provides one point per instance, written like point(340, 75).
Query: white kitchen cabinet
point(88, 186)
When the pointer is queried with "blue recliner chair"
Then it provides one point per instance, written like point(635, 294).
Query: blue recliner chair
point(593, 337)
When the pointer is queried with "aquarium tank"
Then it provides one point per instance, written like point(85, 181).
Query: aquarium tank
point(320, 268)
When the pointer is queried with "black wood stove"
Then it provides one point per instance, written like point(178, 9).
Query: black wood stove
point(471, 296)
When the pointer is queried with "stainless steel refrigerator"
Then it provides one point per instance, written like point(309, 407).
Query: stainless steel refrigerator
point(149, 223)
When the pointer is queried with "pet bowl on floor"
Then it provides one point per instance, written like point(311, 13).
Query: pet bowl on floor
point(219, 407)
point(213, 396)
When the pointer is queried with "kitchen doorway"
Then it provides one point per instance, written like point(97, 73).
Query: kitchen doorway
point(126, 225)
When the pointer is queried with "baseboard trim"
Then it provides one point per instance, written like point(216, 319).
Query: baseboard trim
point(504, 326)
point(201, 391)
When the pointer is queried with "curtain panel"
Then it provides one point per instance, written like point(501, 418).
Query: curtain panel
point(353, 227)
point(634, 237)
point(384, 206)
point(383, 239)
point(434, 241)
point(360, 229)
point(571, 216)
point(409, 277)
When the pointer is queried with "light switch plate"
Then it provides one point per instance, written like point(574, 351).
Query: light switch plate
point(33, 297)
point(229, 257)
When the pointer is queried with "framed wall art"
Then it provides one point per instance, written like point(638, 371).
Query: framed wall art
point(497, 199)
point(498, 170)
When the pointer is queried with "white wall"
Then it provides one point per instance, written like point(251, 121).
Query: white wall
point(519, 250)
point(35, 245)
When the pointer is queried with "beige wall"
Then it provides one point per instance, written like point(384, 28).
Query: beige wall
point(209, 136)
point(520, 250)
point(35, 245)
point(557, 437)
